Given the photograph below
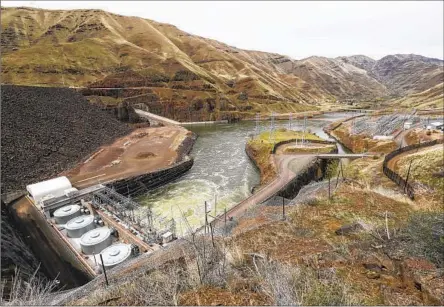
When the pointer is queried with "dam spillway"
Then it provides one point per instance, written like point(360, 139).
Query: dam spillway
point(222, 173)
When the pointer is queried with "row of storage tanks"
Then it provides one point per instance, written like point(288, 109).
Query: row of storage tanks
point(95, 238)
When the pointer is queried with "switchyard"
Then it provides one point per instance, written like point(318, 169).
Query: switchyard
point(98, 224)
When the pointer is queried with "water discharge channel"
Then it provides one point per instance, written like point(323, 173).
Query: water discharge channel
point(222, 172)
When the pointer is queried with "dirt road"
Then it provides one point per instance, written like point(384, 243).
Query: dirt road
point(143, 151)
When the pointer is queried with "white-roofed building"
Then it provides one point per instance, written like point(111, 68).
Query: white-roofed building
point(54, 187)
point(437, 125)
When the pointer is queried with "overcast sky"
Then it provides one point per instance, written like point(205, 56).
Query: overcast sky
point(297, 29)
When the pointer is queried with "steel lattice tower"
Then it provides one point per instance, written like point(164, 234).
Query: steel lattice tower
point(257, 128)
point(271, 138)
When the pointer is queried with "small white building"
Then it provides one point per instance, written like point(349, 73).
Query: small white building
point(167, 237)
point(408, 125)
point(437, 125)
point(383, 137)
point(54, 187)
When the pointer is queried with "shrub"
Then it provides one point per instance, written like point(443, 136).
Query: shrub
point(425, 236)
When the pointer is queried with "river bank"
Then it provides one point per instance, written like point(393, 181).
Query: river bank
point(363, 244)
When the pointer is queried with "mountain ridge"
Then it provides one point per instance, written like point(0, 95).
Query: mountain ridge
point(95, 48)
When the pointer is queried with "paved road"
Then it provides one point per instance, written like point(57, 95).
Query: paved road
point(288, 167)
point(339, 156)
point(330, 156)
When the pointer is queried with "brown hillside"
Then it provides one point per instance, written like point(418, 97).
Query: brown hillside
point(185, 76)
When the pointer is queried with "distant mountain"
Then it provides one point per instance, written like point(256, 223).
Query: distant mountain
point(182, 75)
point(402, 74)
point(361, 61)
point(337, 78)
point(406, 74)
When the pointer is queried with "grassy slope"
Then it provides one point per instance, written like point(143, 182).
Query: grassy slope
point(260, 149)
point(432, 98)
point(427, 165)
point(83, 46)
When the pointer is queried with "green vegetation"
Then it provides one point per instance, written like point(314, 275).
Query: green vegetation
point(261, 146)
point(282, 135)
point(308, 150)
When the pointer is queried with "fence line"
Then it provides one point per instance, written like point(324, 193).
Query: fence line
point(395, 177)
point(276, 145)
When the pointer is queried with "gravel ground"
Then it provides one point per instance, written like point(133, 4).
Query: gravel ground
point(47, 130)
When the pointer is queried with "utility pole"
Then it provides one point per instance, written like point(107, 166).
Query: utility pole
point(257, 128)
point(283, 208)
point(408, 175)
point(329, 191)
point(206, 217)
point(305, 128)
point(290, 119)
point(225, 220)
point(104, 270)
point(271, 138)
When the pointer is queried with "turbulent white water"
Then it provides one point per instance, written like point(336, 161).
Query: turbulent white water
point(221, 170)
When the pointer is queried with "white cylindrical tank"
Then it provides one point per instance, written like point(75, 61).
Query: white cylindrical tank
point(64, 214)
point(94, 241)
point(116, 254)
point(79, 225)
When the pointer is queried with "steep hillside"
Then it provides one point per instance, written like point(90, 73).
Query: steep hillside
point(98, 49)
point(47, 130)
point(432, 98)
point(337, 78)
point(402, 74)
point(407, 74)
point(185, 76)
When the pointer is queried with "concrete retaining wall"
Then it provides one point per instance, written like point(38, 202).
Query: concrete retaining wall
point(138, 185)
point(57, 259)
point(315, 171)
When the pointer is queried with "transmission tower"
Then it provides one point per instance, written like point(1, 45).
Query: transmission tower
point(290, 120)
point(257, 129)
point(305, 128)
point(271, 138)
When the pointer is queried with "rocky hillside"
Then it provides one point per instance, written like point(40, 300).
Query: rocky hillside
point(185, 76)
point(47, 130)
point(402, 74)
point(337, 78)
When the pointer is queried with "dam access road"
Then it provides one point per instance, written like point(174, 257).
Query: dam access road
point(288, 167)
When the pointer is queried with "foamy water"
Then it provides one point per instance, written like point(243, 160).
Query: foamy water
point(221, 170)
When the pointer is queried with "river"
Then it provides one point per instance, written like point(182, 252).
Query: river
point(222, 172)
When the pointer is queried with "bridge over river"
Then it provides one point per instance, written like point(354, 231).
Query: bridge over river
point(154, 118)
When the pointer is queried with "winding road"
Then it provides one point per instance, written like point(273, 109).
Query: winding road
point(287, 170)
point(288, 166)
